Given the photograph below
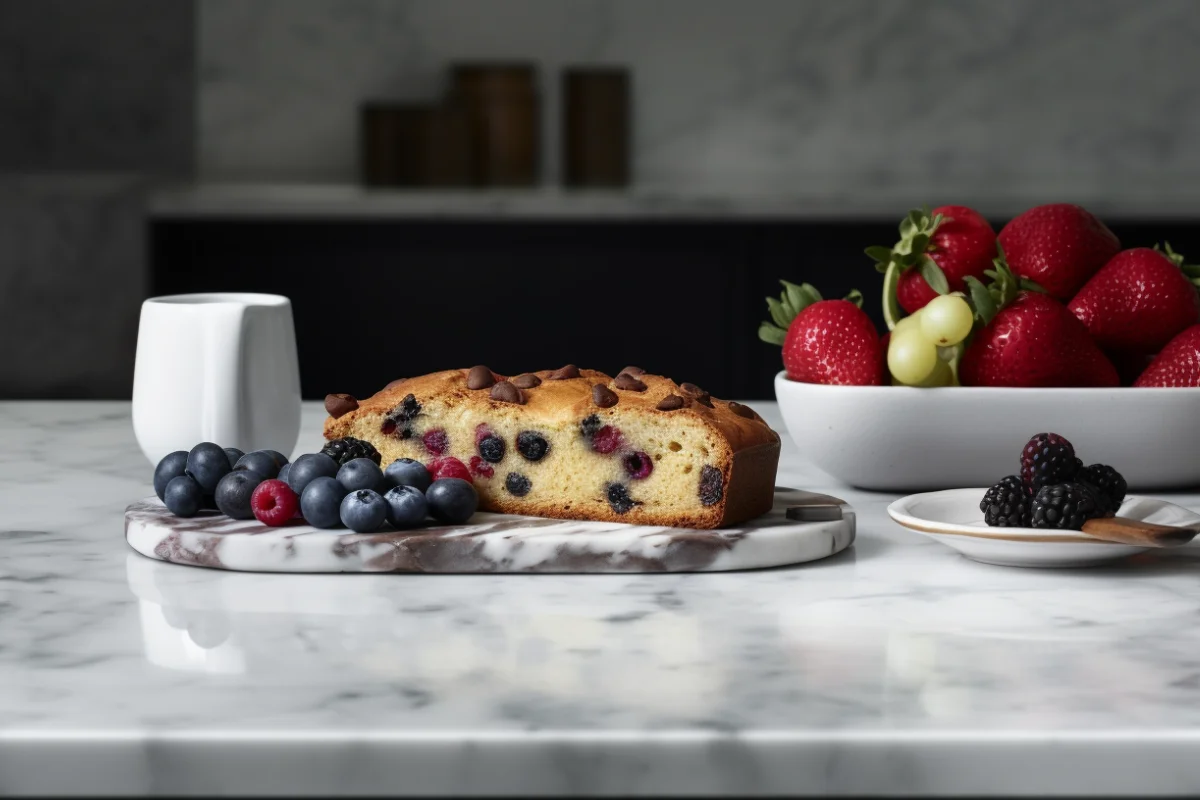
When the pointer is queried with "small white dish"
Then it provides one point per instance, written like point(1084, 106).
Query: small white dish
point(953, 518)
point(900, 438)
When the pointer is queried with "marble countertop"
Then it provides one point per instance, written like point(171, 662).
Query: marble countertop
point(895, 667)
point(817, 201)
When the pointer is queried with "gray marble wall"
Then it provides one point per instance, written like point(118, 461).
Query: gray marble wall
point(753, 95)
point(97, 101)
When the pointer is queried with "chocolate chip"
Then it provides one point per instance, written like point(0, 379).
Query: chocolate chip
point(526, 381)
point(636, 372)
point(705, 400)
point(339, 405)
point(696, 393)
point(480, 377)
point(629, 383)
point(604, 396)
point(564, 373)
point(742, 411)
point(505, 392)
point(671, 402)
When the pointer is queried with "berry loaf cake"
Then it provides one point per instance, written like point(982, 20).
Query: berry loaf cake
point(577, 444)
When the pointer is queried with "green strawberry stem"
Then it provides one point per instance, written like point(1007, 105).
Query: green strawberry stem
point(794, 299)
point(1191, 271)
point(916, 234)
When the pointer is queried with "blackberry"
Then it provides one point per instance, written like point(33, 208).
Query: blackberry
point(517, 484)
point(1006, 505)
point(590, 425)
point(712, 487)
point(532, 446)
point(1063, 506)
point(1109, 485)
point(348, 448)
point(619, 499)
point(1048, 459)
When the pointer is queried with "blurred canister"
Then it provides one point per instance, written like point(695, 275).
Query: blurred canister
point(503, 111)
point(415, 145)
point(596, 129)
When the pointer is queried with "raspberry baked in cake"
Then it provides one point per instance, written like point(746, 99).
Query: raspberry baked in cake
point(577, 444)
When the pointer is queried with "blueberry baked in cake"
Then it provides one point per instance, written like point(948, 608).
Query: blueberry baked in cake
point(576, 444)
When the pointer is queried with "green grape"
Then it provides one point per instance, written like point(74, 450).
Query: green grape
point(947, 320)
point(942, 375)
point(905, 322)
point(911, 357)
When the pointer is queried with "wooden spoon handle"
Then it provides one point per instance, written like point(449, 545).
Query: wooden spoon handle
point(1132, 531)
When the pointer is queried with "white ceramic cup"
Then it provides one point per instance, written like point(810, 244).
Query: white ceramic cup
point(216, 368)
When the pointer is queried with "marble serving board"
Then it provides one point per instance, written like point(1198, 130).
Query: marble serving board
point(801, 526)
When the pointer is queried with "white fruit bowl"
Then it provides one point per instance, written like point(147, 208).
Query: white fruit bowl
point(897, 438)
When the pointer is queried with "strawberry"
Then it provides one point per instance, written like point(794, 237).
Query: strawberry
point(936, 251)
point(824, 341)
point(1178, 364)
point(1058, 246)
point(1028, 339)
point(1139, 300)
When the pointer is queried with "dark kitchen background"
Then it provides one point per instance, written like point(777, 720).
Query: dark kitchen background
point(702, 150)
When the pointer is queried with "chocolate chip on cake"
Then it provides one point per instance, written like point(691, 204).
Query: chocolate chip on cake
point(696, 393)
point(339, 405)
point(671, 402)
point(604, 396)
point(629, 383)
point(480, 377)
point(565, 373)
point(505, 392)
point(526, 381)
point(636, 372)
point(742, 411)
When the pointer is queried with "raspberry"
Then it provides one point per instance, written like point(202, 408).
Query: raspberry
point(481, 468)
point(607, 440)
point(638, 465)
point(1063, 506)
point(436, 442)
point(1006, 505)
point(448, 467)
point(1047, 459)
point(274, 503)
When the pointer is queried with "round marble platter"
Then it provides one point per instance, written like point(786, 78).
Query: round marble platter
point(802, 526)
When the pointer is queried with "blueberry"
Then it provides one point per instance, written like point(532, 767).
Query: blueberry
point(233, 493)
point(233, 454)
point(492, 449)
point(184, 496)
point(589, 425)
point(360, 473)
point(407, 506)
point(517, 484)
point(711, 486)
point(619, 499)
point(171, 466)
point(266, 463)
point(310, 466)
point(407, 472)
point(533, 446)
point(363, 511)
point(283, 472)
point(207, 464)
point(321, 501)
point(452, 500)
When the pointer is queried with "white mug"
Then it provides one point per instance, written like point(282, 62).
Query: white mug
point(216, 368)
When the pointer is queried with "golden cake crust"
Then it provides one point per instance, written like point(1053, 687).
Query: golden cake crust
point(751, 447)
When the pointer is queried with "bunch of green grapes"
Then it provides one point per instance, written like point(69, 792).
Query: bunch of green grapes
point(913, 356)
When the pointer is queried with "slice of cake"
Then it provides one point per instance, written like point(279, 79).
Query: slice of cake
point(577, 444)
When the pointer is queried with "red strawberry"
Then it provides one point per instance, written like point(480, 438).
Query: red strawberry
point(1178, 364)
point(826, 341)
point(1138, 301)
point(1059, 246)
point(953, 240)
point(1029, 339)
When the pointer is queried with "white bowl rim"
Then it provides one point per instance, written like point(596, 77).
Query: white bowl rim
point(781, 376)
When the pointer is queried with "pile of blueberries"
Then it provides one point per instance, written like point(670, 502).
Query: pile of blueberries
point(342, 485)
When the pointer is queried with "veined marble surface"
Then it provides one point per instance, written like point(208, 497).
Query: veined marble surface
point(894, 667)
